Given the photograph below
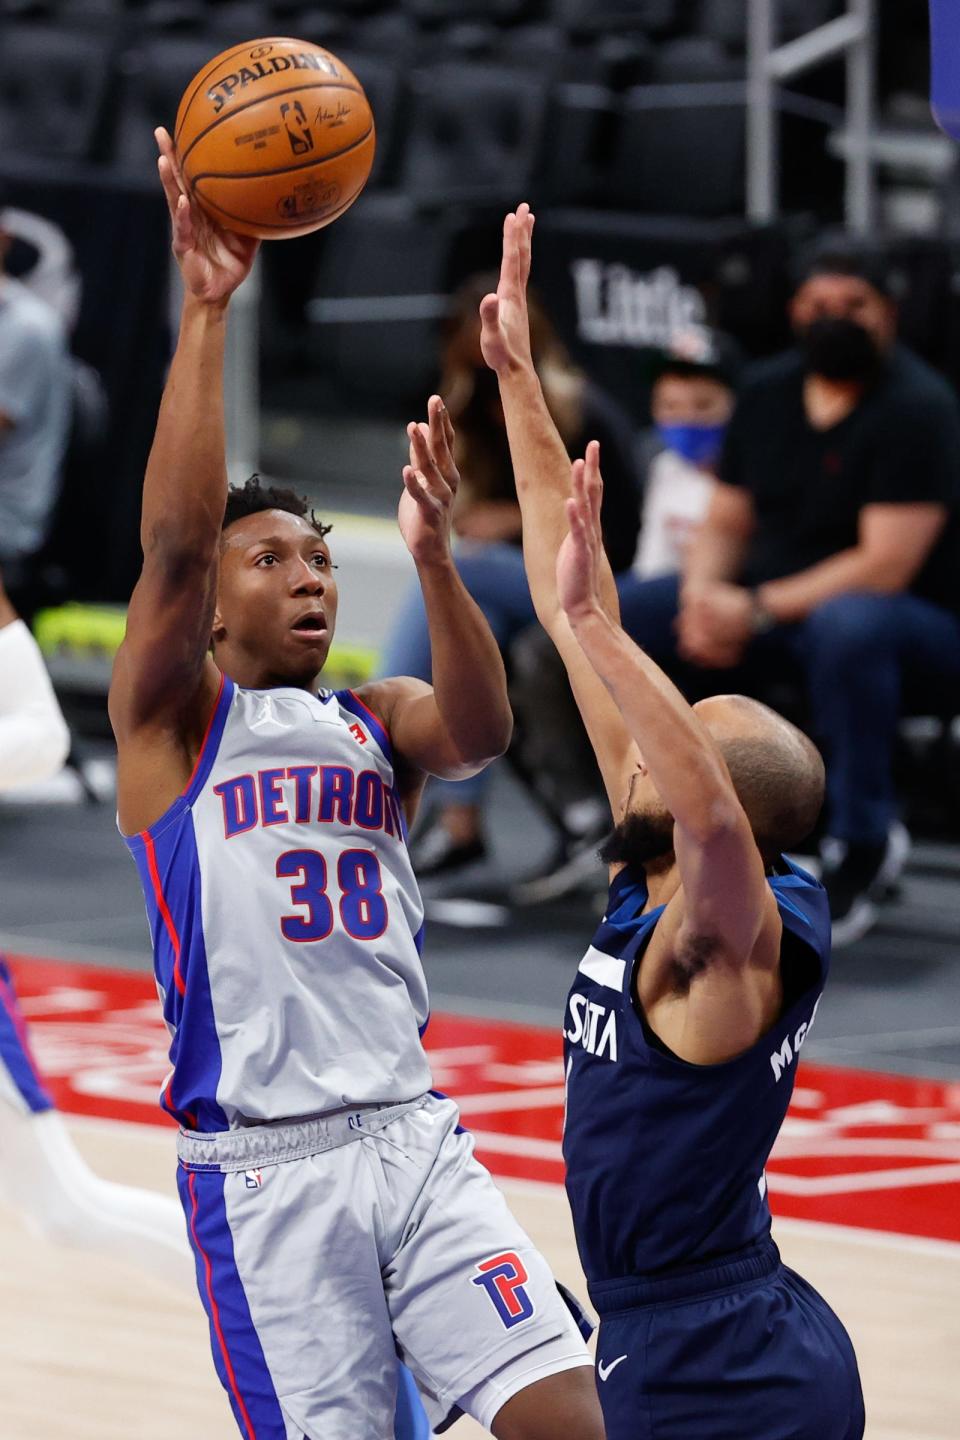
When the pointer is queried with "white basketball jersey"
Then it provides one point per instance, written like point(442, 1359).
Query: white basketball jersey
point(285, 916)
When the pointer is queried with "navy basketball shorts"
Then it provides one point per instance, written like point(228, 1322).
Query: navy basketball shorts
point(20, 1082)
point(746, 1350)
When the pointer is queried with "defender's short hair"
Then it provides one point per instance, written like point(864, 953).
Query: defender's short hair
point(778, 774)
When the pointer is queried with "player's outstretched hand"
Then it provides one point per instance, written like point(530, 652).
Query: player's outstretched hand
point(580, 556)
point(213, 261)
point(430, 484)
point(504, 323)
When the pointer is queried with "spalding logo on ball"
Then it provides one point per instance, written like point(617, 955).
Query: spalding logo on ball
point(275, 138)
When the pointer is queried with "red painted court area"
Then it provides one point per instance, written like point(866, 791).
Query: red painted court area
point(880, 1152)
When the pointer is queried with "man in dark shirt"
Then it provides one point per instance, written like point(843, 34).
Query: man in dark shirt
point(834, 540)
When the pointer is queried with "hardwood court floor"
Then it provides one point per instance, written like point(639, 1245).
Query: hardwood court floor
point(92, 1350)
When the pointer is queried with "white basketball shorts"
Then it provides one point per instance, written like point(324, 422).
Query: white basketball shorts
point(327, 1248)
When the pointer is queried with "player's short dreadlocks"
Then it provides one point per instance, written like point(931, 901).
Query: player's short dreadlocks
point(251, 497)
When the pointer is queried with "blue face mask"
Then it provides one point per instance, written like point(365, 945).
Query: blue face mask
point(700, 444)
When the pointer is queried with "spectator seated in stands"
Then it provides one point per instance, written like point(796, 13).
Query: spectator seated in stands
point(487, 523)
point(831, 549)
point(691, 401)
point(35, 389)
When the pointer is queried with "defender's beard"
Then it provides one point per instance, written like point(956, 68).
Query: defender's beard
point(639, 840)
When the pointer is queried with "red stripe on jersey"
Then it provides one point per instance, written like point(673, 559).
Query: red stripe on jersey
point(164, 908)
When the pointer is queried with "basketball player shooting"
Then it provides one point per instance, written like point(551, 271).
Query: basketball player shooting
point(335, 1209)
point(688, 1010)
point(43, 1176)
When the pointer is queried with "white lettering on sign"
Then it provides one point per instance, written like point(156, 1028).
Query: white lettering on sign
point(620, 306)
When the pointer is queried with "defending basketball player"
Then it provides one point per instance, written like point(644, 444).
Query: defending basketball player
point(688, 1009)
point(43, 1176)
point(337, 1216)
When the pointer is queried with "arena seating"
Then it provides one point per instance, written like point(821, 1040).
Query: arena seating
point(680, 149)
point(611, 114)
point(471, 134)
point(63, 115)
point(524, 55)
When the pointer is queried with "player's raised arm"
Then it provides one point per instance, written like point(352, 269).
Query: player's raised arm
point(164, 683)
point(463, 721)
point(542, 473)
point(724, 903)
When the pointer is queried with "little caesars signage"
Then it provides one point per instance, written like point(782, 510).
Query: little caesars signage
point(619, 306)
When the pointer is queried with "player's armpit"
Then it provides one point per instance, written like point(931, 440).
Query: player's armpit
point(409, 712)
point(710, 980)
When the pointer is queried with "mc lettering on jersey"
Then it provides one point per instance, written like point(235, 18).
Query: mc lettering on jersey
point(783, 1057)
point(308, 795)
point(238, 80)
point(592, 1026)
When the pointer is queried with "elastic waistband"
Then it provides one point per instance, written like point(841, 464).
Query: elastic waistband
point(636, 1292)
point(257, 1145)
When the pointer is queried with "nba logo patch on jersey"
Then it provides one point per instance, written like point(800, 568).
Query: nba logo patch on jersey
point(358, 733)
point(503, 1278)
point(253, 1179)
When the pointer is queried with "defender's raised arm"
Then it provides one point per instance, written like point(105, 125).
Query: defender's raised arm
point(542, 474)
point(164, 683)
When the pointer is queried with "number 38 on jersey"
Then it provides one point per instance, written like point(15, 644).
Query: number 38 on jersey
point(357, 894)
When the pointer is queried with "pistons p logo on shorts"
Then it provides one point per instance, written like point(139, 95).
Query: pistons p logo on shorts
point(503, 1278)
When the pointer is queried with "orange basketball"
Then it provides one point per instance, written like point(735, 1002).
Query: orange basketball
point(275, 138)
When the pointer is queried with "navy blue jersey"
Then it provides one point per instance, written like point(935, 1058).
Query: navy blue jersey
point(665, 1160)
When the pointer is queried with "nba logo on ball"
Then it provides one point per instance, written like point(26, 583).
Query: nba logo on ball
point(298, 131)
point(503, 1278)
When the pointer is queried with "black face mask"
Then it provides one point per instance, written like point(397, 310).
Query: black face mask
point(840, 349)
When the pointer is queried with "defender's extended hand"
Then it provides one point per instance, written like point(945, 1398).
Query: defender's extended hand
point(504, 323)
point(213, 261)
point(430, 485)
point(580, 556)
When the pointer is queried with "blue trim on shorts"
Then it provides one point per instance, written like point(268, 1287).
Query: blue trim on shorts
point(237, 1352)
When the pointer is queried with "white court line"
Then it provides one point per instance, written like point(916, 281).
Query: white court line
point(904, 1178)
point(817, 1229)
point(541, 1098)
point(853, 1234)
